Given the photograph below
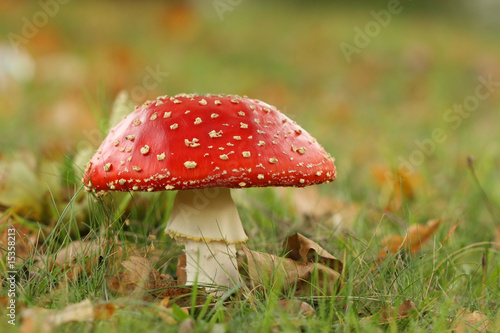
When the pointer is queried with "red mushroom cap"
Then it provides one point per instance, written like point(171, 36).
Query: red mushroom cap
point(192, 142)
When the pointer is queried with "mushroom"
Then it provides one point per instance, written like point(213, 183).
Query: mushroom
point(202, 146)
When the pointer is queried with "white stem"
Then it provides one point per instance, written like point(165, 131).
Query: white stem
point(207, 223)
point(211, 264)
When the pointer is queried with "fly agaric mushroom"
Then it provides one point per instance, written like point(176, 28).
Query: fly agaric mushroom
point(202, 146)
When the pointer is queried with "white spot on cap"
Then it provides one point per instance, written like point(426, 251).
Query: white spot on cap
point(257, 120)
point(202, 102)
point(266, 109)
point(174, 126)
point(243, 125)
point(260, 176)
point(193, 143)
point(160, 157)
point(235, 101)
point(167, 114)
point(242, 184)
point(302, 181)
point(273, 160)
point(298, 130)
point(197, 121)
point(190, 164)
point(319, 173)
point(241, 113)
point(217, 102)
point(302, 150)
point(224, 157)
point(214, 115)
point(187, 111)
point(159, 102)
point(169, 187)
point(122, 181)
point(116, 143)
point(154, 116)
point(261, 143)
point(176, 101)
point(136, 168)
point(215, 134)
point(145, 150)
point(135, 188)
point(237, 137)
point(246, 154)
point(107, 167)
point(137, 122)
point(129, 137)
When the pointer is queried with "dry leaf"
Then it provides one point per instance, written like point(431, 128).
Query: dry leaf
point(43, 320)
point(26, 240)
point(269, 271)
point(301, 248)
point(467, 321)
point(415, 237)
point(143, 281)
point(389, 313)
point(296, 307)
point(76, 258)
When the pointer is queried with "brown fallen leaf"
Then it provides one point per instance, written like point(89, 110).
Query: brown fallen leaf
point(263, 270)
point(75, 258)
point(43, 320)
point(467, 321)
point(296, 307)
point(26, 239)
point(412, 241)
point(390, 313)
point(141, 280)
point(300, 248)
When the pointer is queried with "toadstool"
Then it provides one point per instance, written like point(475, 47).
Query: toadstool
point(202, 146)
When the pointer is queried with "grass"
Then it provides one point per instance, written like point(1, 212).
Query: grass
point(368, 113)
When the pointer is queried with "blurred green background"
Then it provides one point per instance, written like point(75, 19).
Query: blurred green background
point(62, 63)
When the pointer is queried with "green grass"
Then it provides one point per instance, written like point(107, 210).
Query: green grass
point(367, 113)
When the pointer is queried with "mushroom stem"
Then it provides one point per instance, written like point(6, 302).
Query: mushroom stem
point(212, 263)
point(207, 223)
